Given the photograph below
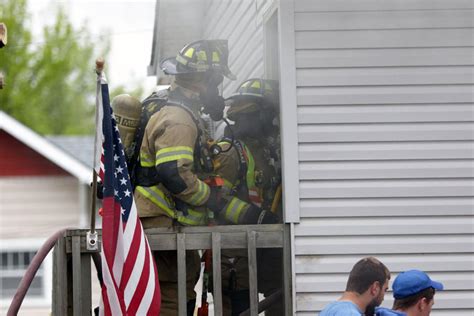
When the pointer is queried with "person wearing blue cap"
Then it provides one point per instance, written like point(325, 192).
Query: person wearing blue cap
point(414, 292)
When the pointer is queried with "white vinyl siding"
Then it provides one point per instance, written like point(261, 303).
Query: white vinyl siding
point(385, 142)
point(241, 23)
point(38, 206)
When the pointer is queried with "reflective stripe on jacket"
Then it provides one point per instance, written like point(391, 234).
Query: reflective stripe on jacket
point(254, 194)
point(158, 198)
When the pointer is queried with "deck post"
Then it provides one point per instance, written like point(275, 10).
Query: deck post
point(216, 273)
point(181, 247)
point(252, 261)
point(81, 278)
point(61, 280)
point(287, 275)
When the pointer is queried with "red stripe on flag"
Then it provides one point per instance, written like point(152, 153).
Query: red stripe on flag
point(110, 228)
point(105, 301)
point(131, 257)
point(141, 286)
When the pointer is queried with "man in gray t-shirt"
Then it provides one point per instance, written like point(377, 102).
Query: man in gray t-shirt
point(365, 290)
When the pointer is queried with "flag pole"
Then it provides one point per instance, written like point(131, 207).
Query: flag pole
point(92, 234)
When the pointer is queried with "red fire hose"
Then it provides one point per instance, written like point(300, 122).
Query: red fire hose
point(31, 272)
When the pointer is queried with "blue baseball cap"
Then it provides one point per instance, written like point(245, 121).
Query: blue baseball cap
point(411, 282)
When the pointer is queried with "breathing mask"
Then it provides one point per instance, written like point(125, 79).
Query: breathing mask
point(211, 99)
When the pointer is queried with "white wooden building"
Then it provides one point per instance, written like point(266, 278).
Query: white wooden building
point(377, 129)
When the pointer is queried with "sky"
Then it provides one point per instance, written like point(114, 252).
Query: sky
point(130, 24)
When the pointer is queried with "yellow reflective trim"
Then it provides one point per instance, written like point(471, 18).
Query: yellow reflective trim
point(223, 143)
point(156, 197)
point(215, 57)
point(229, 208)
point(202, 192)
point(234, 209)
point(201, 55)
point(189, 53)
point(180, 59)
point(256, 84)
point(174, 158)
point(186, 221)
point(173, 149)
point(194, 218)
point(174, 153)
point(145, 160)
point(227, 184)
point(250, 169)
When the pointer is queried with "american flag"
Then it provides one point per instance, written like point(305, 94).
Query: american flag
point(130, 276)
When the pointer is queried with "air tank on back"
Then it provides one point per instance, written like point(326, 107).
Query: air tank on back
point(127, 111)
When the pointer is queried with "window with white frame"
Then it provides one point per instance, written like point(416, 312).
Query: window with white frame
point(15, 257)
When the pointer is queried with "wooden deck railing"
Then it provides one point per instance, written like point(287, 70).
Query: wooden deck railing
point(72, 262)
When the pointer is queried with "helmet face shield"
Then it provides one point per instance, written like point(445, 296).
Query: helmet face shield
point(200, 56)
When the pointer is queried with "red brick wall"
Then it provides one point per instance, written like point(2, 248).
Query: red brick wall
point(17, 159)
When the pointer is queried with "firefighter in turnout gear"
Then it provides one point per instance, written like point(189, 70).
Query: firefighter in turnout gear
point(170, 190)
point(249, 165)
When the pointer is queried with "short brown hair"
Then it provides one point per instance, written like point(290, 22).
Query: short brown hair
point(409, 301)
point(364, 273)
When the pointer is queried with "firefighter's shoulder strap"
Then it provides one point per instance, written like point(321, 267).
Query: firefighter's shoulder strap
point(240, 186)
point(151, 105)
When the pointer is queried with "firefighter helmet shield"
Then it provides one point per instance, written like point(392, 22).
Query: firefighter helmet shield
point(200, 56)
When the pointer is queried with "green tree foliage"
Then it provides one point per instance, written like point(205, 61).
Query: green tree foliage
point(50, 81)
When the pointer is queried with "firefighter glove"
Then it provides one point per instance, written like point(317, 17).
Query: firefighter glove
point(256, 215)
point(99, 190)
point(215, 202)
